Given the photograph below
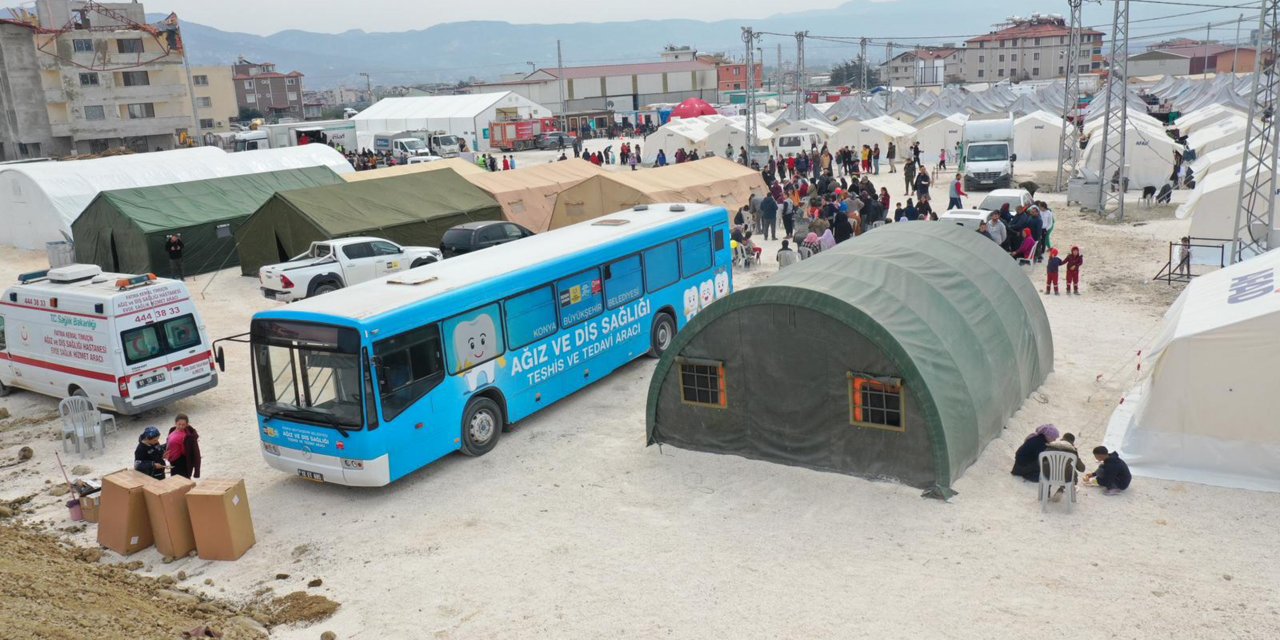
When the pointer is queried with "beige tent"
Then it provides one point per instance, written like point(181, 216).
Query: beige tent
point(528, 194)
point(464, 168)
point(713, 181)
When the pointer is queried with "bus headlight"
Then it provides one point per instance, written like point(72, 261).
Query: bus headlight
point(271, 448)
point(354, 465)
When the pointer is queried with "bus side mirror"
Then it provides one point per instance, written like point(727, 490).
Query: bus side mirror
point(220, 358)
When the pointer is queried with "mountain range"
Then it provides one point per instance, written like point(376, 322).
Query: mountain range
point(487, 49)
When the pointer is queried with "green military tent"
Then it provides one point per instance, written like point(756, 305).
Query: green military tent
point(411, 209)
point(899, 354)
point(124, 231)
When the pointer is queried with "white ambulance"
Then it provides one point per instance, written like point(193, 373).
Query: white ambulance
point(128, 343)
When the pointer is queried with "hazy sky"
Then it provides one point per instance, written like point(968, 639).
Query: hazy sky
point(332, 16)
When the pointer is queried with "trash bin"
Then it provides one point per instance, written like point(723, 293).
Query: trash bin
point(61, 253)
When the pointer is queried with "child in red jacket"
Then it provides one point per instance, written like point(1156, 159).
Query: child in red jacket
point(1074, 261)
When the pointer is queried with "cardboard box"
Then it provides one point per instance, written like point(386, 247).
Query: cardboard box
point(123, 525)
point(220, 519)
point(170, 521)
point(89, 508)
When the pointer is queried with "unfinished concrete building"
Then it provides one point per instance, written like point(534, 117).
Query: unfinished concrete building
point(81, 77)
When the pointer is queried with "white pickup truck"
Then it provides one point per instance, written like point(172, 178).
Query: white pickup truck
point(333, 264)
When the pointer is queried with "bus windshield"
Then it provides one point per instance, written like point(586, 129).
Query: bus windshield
point(309, 373)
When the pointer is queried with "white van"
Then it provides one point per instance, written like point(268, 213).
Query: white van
point(128, 343)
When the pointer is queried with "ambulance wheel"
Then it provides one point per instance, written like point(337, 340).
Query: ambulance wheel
point(421, 261)
point(664, 333)
point(77, 392)
point(482, 424)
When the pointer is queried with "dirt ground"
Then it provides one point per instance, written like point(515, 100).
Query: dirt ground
point(572, 528)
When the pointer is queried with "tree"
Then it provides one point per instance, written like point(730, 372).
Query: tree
point(247, 114)
point(850, 74)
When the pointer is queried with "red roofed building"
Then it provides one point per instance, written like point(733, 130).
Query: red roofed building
point(261, 88)
point(1034, 48)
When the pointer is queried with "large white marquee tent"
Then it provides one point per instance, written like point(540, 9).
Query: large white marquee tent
point(39, 201)
point(466, 116)
point(1204, 413)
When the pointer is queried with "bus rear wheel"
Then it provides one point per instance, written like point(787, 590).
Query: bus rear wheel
point(481, 426)
point(664, 333)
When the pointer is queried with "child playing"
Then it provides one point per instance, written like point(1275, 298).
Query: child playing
point(1051, 272)
point(1074, 261)
point(1113, 473)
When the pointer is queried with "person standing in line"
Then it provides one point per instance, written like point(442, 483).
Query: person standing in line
point(891, 154)
point(956, 192)
point(183, 448)
point(875, 159)
point(173, 244)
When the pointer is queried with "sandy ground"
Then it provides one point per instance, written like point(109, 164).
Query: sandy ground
point(572, 528)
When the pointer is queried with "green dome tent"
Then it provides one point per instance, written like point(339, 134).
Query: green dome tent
point(899, 354)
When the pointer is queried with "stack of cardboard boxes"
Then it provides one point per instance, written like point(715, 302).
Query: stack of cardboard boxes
point(177, 515)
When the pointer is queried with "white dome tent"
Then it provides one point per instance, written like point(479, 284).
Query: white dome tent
point(1223, 133)
point(39, 201)
point(943, 133)
point(1148, 156)
point(1036, 136)
point(1205, 117)
point(1203, 413)
point(879, 130)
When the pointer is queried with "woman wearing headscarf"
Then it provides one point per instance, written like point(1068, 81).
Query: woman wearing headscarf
point(1026, 460)
point(828, 240)
point(842, 229)
point(1027, 247)
point(812, 243)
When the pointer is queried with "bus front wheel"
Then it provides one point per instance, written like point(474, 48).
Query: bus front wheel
point(481, 426)
point(664, 333)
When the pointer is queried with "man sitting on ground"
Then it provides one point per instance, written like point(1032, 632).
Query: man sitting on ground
point(1113, 473)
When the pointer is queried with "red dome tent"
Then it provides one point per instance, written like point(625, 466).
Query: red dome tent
point(692, 108)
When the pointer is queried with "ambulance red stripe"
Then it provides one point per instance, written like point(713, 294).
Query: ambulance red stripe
point(60, 368)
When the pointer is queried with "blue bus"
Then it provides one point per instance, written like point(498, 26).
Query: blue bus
point(364, 385)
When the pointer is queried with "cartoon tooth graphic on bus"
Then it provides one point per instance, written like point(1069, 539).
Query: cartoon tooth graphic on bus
point(690, 303)
point(475, 341)
point(722, 284)
point(706, 294)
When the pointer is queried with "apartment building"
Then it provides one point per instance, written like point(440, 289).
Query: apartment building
point(923, 67)
point(83, 77)
point(214, 97)
point(1034, 48)
point(259, 87)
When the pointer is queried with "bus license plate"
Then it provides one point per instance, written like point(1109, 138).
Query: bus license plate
point(150, 380)
point(311, 475)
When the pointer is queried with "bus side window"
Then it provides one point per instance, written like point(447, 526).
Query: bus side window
point(409, 365)
point(531, 316)
point(581, 297)
point(721, 234)
point(661, 266)
point(695, 253)
point(623, 281)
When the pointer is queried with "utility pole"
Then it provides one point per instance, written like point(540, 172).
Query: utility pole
point(1235, 53)
point(1115, 123)
point(1256, 216)
point(749, 38)
point(564, 108)
point(777, 86)
point(1207, 28)
point(862, 56)
point(888, 73)
point(368, 86)
point(1068, 142)
point(915, 73)
point(800, 95)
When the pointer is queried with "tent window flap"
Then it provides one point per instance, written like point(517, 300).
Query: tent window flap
point(876, 402)
point(702, 383)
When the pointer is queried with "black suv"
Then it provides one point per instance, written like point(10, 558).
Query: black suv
point(474, 236)
point(553, 141)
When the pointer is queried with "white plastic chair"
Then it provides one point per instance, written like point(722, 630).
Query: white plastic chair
point(1057, 469)
point(84, 423)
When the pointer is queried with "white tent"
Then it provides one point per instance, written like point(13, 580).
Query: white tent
point(1148, 156)
point(1220, 159)
point(1204, 412)
point(827, 134)
point(943, 133)
point(1212, 206)
point(689, 134)
point(1036, 136)
point(39, 201)
point(1223, 133)
point(466, 116)
point(1204, 117)
point(880, 130)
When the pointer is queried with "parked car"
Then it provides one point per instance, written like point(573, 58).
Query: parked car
point(330, 265)
point(1016, 199)
point(553, 140)
point(967, 218)
point(423, 159)
point(474, 236)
